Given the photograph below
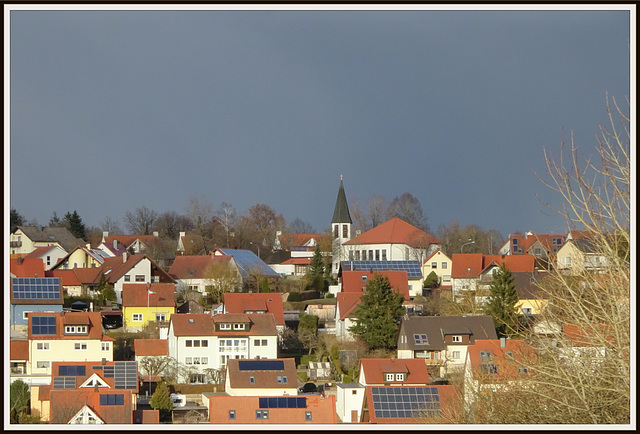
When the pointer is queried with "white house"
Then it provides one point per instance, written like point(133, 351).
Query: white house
point(349, 399)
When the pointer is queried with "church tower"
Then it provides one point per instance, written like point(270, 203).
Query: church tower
point(341, 227)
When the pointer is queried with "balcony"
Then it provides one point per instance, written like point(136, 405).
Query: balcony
point(15, 243)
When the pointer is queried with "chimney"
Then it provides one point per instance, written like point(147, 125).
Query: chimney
point(124, 257)
point(105, 234)
point(393, 359)
point(182, 234)
point(155, 234)
point(20, 260)
point(104, 361)
point(115, 244)
point(503, 342)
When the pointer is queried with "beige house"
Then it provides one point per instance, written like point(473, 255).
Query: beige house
point(439, 263)
point(579, 255)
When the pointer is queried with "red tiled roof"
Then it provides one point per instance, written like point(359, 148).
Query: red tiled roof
point(297, 261)
point(39, 252)
point(347, 303)
point(30, 267)
point(236, 302)
point(203, 324)
point(241, 379)
point(588, 335)
point(515, 263)
point(151, 347)
point(88, 276)
point(19, 350)
point(114, 268)
point(62, 318)
point(434, 254)
point(146, 416)
point(192, 324)
point(66, 403)
point(298, 240)
point(395, 231)
point(506, 365)
point(194, 267)
point(322, 408)
point(352, 280)
point(67, 277)
point(374, 370)
point(137, 295)
point(470, 265)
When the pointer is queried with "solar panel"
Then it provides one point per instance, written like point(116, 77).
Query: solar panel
point(283, 402)
point(247, 260)
point(71, 371)
point(64, 382)
point(29, 288)
point(43, 325)
point(112, 399)
point(411, 267)
point(125, 375)
point(406, 402)
point(261, 365)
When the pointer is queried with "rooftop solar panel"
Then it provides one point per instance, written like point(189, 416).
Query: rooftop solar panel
point(261, 365)
point(43, 325)
point(411, 267)
point(406, 402)
point(45, 288)
point(64, 382)
point(247, 260)
point(283, 402)
point(125, 375)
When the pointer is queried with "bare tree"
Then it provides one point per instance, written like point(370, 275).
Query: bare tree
point(156, 365)
point(407, 207)
point(110, 225)
point(299, 226)
point(226, 217)
point(169, 224)
point(140, 222)
point(220, 278)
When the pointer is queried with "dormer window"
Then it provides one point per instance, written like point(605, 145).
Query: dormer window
point(389, 377)
point(399, 377)
point(75, 330)
point(225, 326)
point(456, 338)
point(238, 326)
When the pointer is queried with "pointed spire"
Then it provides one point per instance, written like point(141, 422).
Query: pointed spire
point(341, 211)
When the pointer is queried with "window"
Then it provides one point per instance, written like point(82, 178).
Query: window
point(399, 377)
point(354, 392)
point(44, 346)
point(106, 346)
point(357, 255)
point(80, 346)
point(307, 416)
point(444, 265)
point(510, 354)
point(537, 251)
point(238, 326)
point(527, 310)
point(188, 343)
point(421, 339)
point(25, 315)
point(371, 255)
point(486, 356)
point(351, 255)
point(136, 317)
point(364, 278)
point(446, 278)
point(523, 370)
point(139, 277)
point(364, 255)
point(75, 330)
point(196, 343)
point(188, 360)
point(384, 254)
point(389, 377)
point(489, 368)
point(252, 380)
point(567, 261)
point(434, 265)
point(204, 343)
point(194, 288)
point(196, 379)
point(225, 326)
point(515, 241)
point(112, 399)
point(282, 379)
point(377, 255)
point(456, 338)
point(455, 355)
point(262, 414)
point(43, 365)
point(345, 231)
point(161, 317)
point(335, 231)
point(436, 355)
point(127, 278)
point(232, 415)
point(48, 260)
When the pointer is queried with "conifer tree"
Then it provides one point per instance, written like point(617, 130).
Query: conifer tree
point(376, 318)
point(502, 302)
point(161, 399)
point(75, 225)
point(431, 281)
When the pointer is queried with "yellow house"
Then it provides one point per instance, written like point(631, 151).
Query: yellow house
point(439, 263)
point(81, 257)
point(143, 303)
point(531, 300)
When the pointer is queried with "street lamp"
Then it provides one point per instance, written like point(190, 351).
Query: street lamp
point(467, 243)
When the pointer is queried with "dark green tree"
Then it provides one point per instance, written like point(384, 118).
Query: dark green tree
point(19, 400)
point(431, 281)
point(16, 219)
point(308, 331)
point(75, 225)
point(161, 399)
point(316, 276)
point(264, 286)
point(105, 291)
point(502, 302)
point(376, 317)
point(55, 221)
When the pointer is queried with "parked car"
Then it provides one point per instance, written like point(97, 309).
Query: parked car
point(178, 400)
point(308, 388)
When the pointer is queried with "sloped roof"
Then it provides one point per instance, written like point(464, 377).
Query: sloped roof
point(346, 303)
point(94, 320)
point(136, 294)
point(39, 252)
point(128, 240)
point(263, 379)
point(194, 267)
point(356, 281)
point(395, 231)
point(194, 324)
point(88, 276)
point(435, 327)
point(588, 335)
point(505, 364)
point(299, 240)
point(515, 263)
point(237, 302)
point(30, 285)
point(471, 265)
point(374, 370)
point(341, 211)
point(67, 277)
point(27, 267)
point(297, 261)
point(436, 253)
point(115, 268)
point(66, 403)
point(248, 261)
point(19, 350)
point(151, 347)
point(526, 241)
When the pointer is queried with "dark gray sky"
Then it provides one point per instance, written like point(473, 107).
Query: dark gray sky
point(112, 110)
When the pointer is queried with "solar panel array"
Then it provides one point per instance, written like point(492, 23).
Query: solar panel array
point(411, 267)
point(247, 260)
point(261, 365)
point(72, 371)
point(406, 402)
point(125, 375)
point(30, 288)
point(283, 402)
point(43, 325)
point(112, 399)
point(64, 382)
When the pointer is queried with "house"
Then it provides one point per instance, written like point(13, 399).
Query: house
point(25, 239)
point(474, 271)
point(204, 342)
point(393, 372)
point(319, 370)
point(587, 341)
point(112, 249)
point(33, 295)
point(87, 392)
point(69, 280)
point(256, 303)
point(345, 319)
point(411, 268)
point(49, 255)
point(68, 336)
point(349, 400)
point(18, 359)
point(442, 341)
point(300, 249)
point(401, 405)
point(293, 267)
point(543, 246)
point(308, 409)
point(580, 255)
point(441, 265)
point(151, 355)
point(261, 377)
point(135, 244)
point(30, 267)
point(143, 303)
point(82, 257)
point(531, 301)
point(250, 266)
point(191, 244)
point(191, 306)
point(393, 240)
point(199, 273)
point(357, 280)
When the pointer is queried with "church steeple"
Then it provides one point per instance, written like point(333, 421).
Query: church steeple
point(341, 227)
point(341, 211)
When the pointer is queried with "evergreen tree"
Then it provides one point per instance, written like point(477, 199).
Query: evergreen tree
point(502, 302)
point(105, 291)
point(376, 318)
point(75, 225)
point(161, 399)
point(316, 268)
point(431, 281)
point(55, 221)
point(16, 219)
point(19, 400)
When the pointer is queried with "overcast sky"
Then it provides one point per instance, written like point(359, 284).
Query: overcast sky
point(112, 110)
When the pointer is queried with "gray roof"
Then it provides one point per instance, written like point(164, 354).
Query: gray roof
point(341, 211)
point(436, 327)
point(585, 245)
point(61, 235)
